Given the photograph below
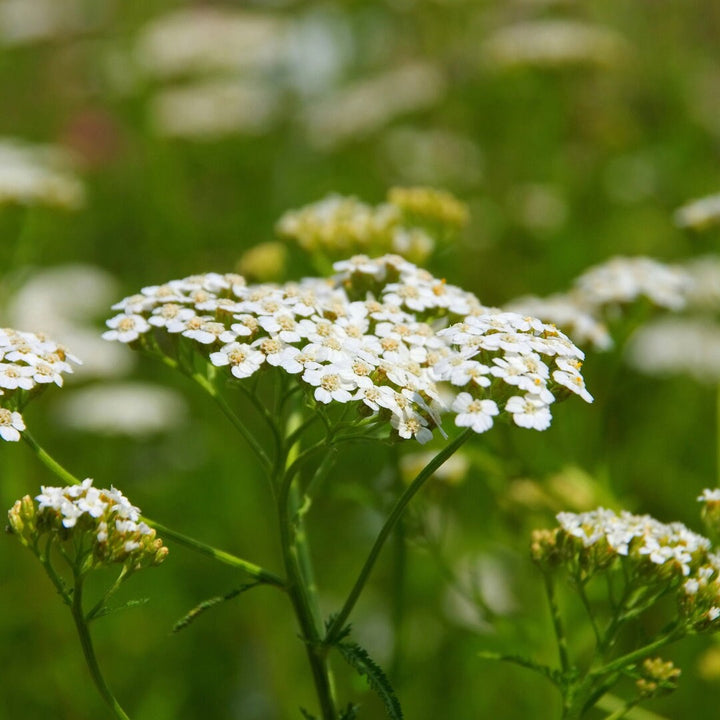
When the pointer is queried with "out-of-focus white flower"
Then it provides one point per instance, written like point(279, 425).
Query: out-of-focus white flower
point(704, 291)
point(482, 581)
point(37, 174)
point(699, 214)
point(23, 22)
point(554, 43)
point(538, 206)
point(433, 157)
point(215, 108)
point(126, 408)
point(624, 279)
point(203, 40)
point(367, 105)
point(63, 301)
point(687, 346)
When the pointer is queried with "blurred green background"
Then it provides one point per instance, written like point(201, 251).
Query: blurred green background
point(192, 134)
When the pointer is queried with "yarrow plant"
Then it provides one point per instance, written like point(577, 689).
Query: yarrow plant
point(88, 529)
point(379, 351)
point(624, 568)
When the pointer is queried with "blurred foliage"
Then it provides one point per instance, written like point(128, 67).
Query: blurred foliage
point(562, 166)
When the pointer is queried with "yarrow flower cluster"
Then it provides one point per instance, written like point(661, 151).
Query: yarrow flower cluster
point(599, 291)
point(381, 333)
point(105, 519)
point(657, 557)
point(28, 363)
point(340, 225)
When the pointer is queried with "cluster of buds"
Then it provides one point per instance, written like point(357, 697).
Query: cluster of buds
point(100, 526)
point(28, 364)
point(407, 224)
point(381, 333)
point(657, 677)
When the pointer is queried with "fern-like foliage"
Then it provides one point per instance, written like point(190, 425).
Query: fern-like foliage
point(358, 658)
point(209, 603)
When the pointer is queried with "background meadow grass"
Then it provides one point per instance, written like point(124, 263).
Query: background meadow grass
point(562, 166)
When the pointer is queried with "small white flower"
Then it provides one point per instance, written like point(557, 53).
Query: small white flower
point(243, 360)
point(126, 328)
point(529, 412)
point(474, 413)
point(11, 425)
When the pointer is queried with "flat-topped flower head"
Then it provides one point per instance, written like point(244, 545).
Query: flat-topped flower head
point(638, 537)
point(624, 279)
point(28, 363)
point(654, 558)
point(103, 523)
point(382, 334)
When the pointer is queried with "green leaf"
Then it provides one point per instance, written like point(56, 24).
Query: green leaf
point(349, 713)
point(359, 659)
point(207, 604)
point(306, 714)
point(129, 604)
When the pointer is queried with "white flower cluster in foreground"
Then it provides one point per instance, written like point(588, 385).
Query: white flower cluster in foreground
point(381, 333)
point(112, 523)
point(28, 363)
point(656, 558)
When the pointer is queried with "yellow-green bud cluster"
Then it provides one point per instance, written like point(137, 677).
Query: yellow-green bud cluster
point(423, 206)
point(101, 526)
point(408, 224)
point(657, 677)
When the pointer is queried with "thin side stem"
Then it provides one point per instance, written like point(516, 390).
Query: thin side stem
point(340, 619)
point(89, 652)
point(48, 460)
point(255, 571)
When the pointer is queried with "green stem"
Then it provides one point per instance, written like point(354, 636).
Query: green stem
point(255, 571)
point(631, 657)
point(301, 601)
point(340, 619)
point(560, 636)
point(89, 652)
point(49, 461)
